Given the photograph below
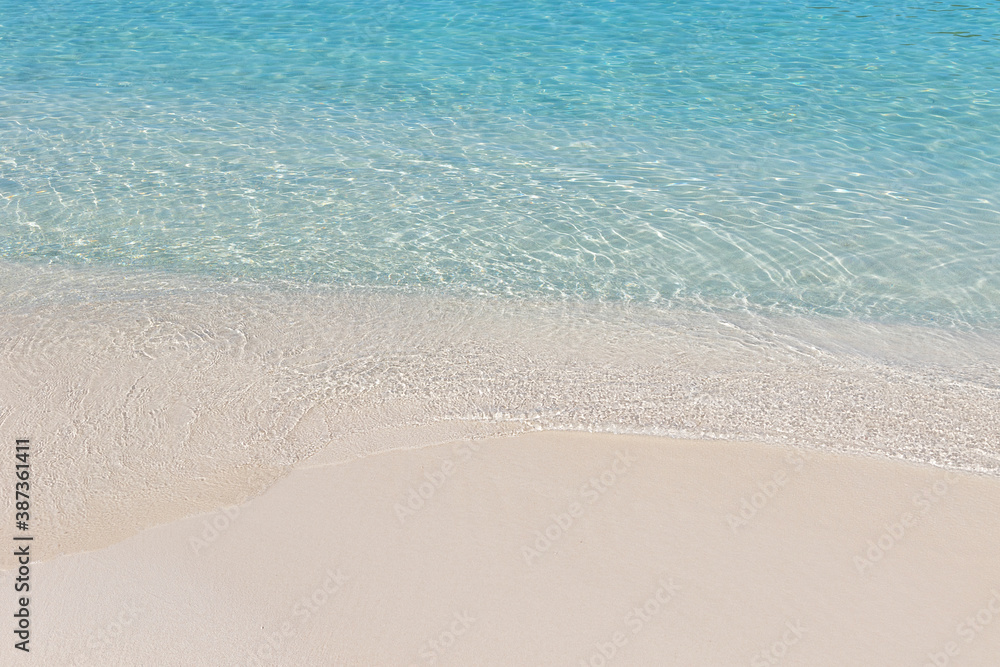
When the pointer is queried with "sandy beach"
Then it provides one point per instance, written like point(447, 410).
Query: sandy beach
point(586, 334)
point(551, 548)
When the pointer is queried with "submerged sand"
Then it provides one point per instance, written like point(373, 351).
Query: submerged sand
point(551, 548)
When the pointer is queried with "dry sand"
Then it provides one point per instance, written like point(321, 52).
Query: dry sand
point(550, 548)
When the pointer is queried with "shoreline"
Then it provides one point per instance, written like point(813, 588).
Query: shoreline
point(165, 397)
point(509, 550)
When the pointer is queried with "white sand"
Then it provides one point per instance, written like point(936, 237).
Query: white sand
point(150, 397)
point(651, 566)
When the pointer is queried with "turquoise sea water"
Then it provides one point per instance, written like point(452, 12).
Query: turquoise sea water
point(235, 234)
point(833, 158)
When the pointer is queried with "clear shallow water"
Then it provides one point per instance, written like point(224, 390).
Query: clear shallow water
point(840, 159)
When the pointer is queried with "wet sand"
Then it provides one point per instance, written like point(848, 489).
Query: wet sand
point(550, 548)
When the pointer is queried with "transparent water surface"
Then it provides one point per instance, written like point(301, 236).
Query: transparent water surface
point(823, 158)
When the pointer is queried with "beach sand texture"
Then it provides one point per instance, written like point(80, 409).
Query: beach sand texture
point(149, 398)
point(551, 548)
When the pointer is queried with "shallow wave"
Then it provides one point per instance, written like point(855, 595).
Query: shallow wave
point(165, 395)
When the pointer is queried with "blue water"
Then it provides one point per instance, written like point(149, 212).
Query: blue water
point(835, 158)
